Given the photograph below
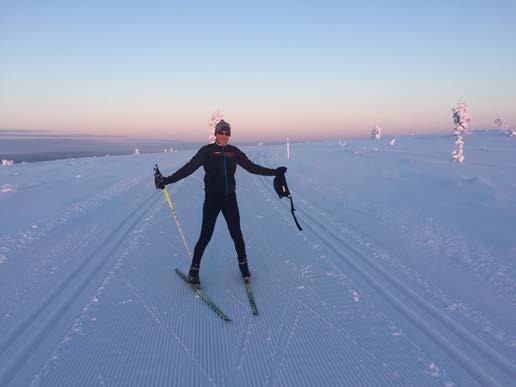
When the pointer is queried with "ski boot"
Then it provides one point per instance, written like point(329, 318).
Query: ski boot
point(193, 275)
point(244, 269)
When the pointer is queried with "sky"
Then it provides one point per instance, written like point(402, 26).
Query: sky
point(298, 69)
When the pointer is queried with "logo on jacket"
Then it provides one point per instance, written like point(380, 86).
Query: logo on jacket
point(220, 154)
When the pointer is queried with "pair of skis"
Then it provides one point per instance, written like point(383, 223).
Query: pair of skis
point(200, 292)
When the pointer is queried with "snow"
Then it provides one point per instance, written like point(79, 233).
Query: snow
point(7, 188)
point(403, 273)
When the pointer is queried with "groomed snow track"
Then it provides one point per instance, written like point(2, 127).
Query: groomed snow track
point(331, 311)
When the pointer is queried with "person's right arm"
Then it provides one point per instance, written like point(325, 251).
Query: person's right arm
point(189, 168)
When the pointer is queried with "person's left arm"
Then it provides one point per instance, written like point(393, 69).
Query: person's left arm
point(242, 160)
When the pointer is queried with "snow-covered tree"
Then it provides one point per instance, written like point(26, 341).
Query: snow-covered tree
point(501, 123)
point(215, 118)
point(376, 133)
point(7, 163)
point(461, 119)
point(504, 125)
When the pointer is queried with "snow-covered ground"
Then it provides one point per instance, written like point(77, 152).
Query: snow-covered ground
point(403, 275)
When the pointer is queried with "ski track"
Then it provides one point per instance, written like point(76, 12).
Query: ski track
point(200, 362)
point(44, 261)
point(37, 324)
point(502, 281)
point(308, 308)
point(20, 241)
point(441, 242)
point(88, 316)
point(365, 346)
point(160, 322)
point(362, 345)
point(285, 337)
point(405, 300)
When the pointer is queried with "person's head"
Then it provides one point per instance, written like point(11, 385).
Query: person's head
point(222, 132)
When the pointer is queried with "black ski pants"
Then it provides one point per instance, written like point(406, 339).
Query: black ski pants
point(213, 204)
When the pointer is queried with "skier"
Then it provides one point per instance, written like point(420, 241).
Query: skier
point(219, 161)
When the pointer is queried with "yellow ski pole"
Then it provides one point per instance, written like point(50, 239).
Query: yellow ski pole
point(171, 205)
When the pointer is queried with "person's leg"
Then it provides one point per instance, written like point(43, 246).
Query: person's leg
point(210, 211)
point(232, 216)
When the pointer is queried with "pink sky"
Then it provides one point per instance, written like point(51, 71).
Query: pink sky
point(290, 70)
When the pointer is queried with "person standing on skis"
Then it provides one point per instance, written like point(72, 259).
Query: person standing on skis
point(219, 160)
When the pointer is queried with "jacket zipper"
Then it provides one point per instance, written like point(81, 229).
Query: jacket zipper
point(225, 171)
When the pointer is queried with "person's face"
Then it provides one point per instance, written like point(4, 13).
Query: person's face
point(222, 138)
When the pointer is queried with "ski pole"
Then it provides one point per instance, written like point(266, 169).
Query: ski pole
point(171, 205)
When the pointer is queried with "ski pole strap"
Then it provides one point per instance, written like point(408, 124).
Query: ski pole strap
point(292, 209)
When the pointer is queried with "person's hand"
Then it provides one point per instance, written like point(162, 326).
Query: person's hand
point(281, 171)
point(159, 181)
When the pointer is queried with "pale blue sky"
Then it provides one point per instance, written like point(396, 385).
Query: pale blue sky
point(284, 69)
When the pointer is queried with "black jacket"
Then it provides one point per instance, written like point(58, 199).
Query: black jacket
point(220, 164)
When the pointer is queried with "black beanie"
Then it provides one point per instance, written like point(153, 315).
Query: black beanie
point(223, 126)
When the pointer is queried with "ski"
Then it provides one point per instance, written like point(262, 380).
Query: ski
point(250, 296)
point(204, 296)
